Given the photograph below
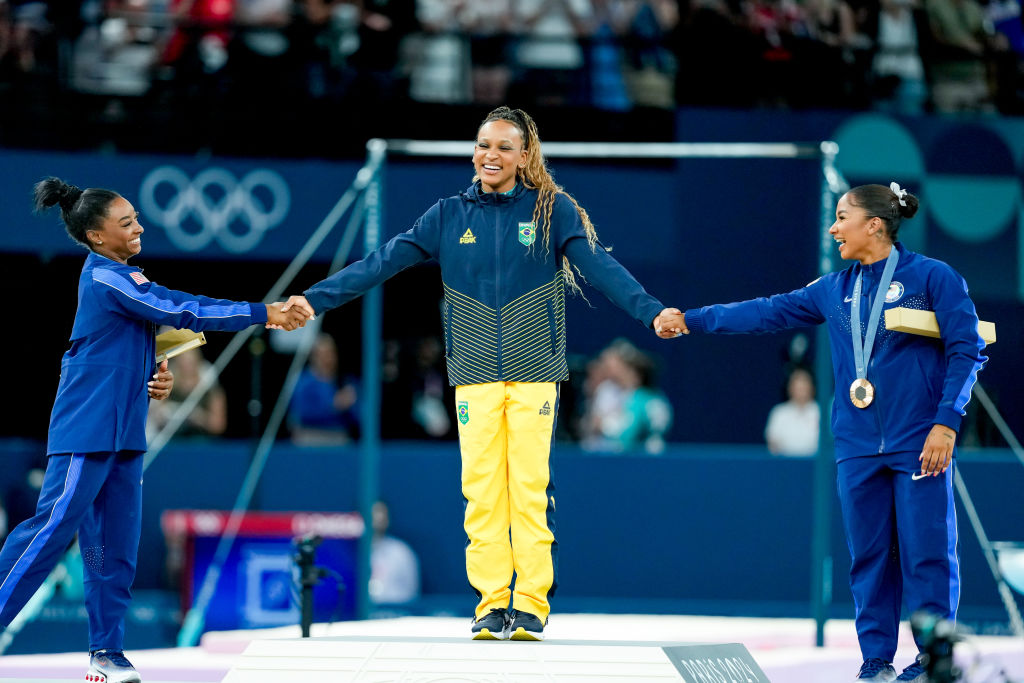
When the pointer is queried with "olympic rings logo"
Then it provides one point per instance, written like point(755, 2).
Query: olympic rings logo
point(217, 203)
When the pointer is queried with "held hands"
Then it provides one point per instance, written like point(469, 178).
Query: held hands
point(286, 316)
point(299, 302)
point(163, 382)
point(670, 323)
point(937, 452)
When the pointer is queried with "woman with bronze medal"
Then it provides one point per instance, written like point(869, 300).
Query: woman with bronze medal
point(895, 430)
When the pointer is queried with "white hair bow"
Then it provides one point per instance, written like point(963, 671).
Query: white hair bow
point(900, 194)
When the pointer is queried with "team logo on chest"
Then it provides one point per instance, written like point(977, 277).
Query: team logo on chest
point(527, 233)
point(894, 293)
point(467, 237)
point(462, 410)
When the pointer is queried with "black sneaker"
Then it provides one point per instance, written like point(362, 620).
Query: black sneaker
point(877, 671)
point(111, 666)
point(491, 626)
point(525, 626)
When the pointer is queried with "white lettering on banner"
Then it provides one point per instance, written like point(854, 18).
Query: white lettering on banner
point(333, 525)
point(233, 203)
point(731, 670)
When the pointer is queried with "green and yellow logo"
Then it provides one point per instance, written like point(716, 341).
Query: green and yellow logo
point(468, 237)
point(527, 233)
point(462, 409)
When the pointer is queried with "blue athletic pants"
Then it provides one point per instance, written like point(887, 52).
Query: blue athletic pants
point(902, 539)
point(99, 495)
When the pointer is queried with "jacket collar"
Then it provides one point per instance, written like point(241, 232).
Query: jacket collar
point(476, 194)
point(94, 260)
point(877, 267)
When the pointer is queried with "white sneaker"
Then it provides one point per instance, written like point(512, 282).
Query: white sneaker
point(111, 666)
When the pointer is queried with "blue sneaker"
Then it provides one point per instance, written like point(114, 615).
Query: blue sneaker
point(915, 673)
point(491, 626)
point(111, 666)
point(525, 626)
point(877, 671)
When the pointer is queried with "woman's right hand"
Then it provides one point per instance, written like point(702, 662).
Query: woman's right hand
point(279, 317)
point(299, 302)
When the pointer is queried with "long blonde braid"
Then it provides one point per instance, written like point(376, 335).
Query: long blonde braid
point(535, 175)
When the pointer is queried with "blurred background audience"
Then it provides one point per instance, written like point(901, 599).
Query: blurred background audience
point(210, 63)
point(324, 408)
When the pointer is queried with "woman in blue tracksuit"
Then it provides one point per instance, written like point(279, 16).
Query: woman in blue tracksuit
point(895, 428)
point(97, 435)
point(504, 245)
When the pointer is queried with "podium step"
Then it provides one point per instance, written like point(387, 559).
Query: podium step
point(378, 659)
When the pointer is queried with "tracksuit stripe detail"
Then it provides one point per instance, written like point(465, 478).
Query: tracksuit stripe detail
point(106, 277)
point(60, 506)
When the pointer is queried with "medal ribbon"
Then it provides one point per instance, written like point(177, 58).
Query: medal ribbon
point(862, 350)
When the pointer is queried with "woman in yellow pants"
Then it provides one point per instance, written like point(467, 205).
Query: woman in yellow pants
point(505, 246)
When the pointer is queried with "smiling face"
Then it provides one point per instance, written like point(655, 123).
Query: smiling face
point(861, 237)
point(119, 235)
point(498, 154)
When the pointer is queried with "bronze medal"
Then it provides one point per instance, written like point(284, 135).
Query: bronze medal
point(862, 392)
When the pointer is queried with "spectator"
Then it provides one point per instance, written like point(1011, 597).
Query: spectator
point(651, 66)
point(629, 412)
point(831, 54)
point(607, 83)
point(549, 51)
point(394, 568)
point(774, 24)
point(321, 411)
point(959, 45)
point(383, 26)
point(488, 25)
point(440, 54)
point(897, 69)
point(432, 397)
point(793, 425)
point(208, 418)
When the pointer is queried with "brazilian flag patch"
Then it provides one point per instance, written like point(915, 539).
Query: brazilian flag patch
point(462, 409)
point(527, 233)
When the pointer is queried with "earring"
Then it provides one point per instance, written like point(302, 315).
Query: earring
point(99, 243)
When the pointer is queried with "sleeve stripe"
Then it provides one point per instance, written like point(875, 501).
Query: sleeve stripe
point(158, 304)
point(960, 405)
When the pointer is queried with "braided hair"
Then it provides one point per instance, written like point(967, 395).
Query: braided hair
point(535, 176)
point(80, 210)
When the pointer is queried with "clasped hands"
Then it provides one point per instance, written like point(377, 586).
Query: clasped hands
point(289, 315)
point(670, 323)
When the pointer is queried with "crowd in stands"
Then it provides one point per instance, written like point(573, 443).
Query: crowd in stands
point(613, 55)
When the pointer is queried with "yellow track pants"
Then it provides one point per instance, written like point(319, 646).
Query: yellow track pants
point(505, 435)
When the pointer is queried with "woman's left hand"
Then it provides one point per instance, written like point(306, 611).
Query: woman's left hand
point(938, 450)
point(163, 381)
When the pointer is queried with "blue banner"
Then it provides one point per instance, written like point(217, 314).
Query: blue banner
point(190, 207)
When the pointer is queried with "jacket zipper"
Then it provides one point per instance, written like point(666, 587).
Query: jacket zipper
point(875, 406)
point(497, 279)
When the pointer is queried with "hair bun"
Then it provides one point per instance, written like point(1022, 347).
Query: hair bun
point(67, 195)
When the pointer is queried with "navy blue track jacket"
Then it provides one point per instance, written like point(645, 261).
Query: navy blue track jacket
point(103, 397)
point(504, 314)
point(919, 381)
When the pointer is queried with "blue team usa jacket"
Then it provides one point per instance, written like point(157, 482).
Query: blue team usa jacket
point(919, 381)
point(102, 398)
point(504, 316)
